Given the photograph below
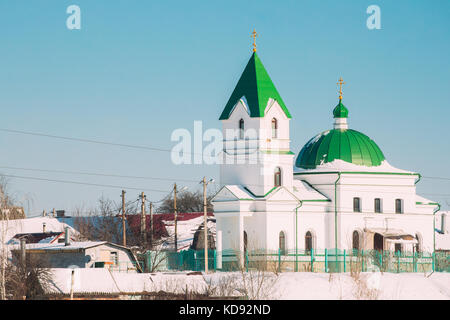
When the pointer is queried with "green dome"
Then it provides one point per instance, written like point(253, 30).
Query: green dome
point(343, 144)
point(340, 111)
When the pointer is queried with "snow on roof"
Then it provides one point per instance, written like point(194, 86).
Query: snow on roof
point(240, 192)
point(101, 280)
point(423, 200)
point(185, 231)
point(31, 225)
point(61, 246)
point(304, 191)
point(341, 165)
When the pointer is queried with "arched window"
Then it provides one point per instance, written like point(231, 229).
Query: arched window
point(274, 128)
point(355, 242)
point(377, 205)
point(308, 242)
point(277, 177)
point(282, 243)
point(241, 129)
point(356, 204)
point(398, 206)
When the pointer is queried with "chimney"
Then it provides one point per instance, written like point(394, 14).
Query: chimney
point(66, 236)
point(43, 228)
point(23, 251)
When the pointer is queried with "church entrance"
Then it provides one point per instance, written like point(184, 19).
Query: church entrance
point(378, 240)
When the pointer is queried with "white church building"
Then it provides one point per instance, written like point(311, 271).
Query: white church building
point(339, 192)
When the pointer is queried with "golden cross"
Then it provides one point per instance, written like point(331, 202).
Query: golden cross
point(340, 83)
point(254, 35)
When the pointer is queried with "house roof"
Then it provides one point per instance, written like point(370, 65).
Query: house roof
point(32, 225)
point(78, 246)
point(38, 237)
point(301, 191)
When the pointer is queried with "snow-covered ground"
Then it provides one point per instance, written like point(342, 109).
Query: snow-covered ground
point(388, 286)
point(288, 286)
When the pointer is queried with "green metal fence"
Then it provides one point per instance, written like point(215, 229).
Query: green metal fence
point(324, 260)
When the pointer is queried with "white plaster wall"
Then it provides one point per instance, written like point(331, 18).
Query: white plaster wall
point(410, 223)
point(243, 164)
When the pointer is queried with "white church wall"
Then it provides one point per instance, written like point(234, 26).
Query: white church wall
point(408, 223)
point(242, 163)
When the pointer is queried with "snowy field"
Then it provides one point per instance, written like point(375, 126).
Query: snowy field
point(288, 286)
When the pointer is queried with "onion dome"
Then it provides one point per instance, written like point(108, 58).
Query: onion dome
point(340, 143)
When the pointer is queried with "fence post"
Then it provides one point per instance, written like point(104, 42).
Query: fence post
point(312, 260)
point(326, 260)
point(398, 262)
point(246, 261)
point(381, 260)
point(345, 258)
point(432, 261)
point(215, 260)
point(279, 260)
point(415, 261)
point(362, 260)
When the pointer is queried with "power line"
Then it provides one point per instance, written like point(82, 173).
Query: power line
point(97, 174)
point(97, 141)
point(83, 183)
point(130, 188)
point(436, 178)
point(84, 140)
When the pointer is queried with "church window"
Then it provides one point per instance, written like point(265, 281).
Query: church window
point(377, 205)
point(274, 128)
point(241, 129)
point(356, 204)
point(277, 177)
point(282, 243)
point(308, 242)
point(355, 241)
point(398, 206)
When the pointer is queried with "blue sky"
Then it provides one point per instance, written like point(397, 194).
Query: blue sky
point(137, 70)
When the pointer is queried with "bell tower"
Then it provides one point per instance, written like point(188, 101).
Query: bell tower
point(255, 125)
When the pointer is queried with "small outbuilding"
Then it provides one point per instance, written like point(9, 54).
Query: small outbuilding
point(89, 254)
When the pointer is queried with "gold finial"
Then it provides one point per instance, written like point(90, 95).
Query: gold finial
point(254, 35)
point(340, 83)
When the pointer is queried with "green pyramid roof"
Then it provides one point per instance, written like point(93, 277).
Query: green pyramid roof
point(257, 87)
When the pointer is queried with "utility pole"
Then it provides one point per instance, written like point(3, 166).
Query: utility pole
point(175, 215)
point(144, 238)
point(124, 232)
point(151, 225)
point(205, 227)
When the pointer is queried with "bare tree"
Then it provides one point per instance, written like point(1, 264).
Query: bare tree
point(28, 279)
point(187, 201)
point(103, 223)
point(6, 203)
